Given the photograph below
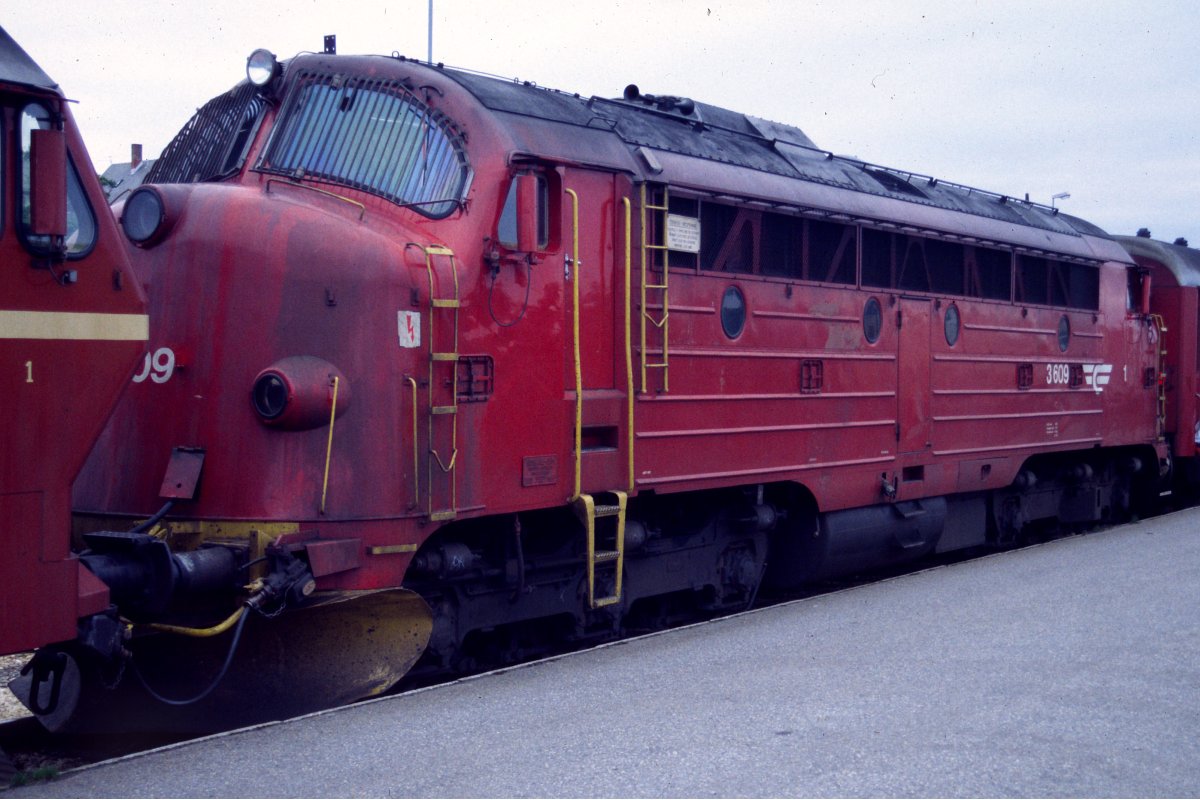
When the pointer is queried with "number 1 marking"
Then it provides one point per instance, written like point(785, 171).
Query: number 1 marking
point(29, 372)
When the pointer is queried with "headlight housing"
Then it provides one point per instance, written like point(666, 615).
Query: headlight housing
point(144, 217)
point(297, 394)
point(262, 67)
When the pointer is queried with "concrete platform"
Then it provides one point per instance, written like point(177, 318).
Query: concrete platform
point(1069, 669)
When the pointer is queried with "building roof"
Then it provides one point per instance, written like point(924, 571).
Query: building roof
point(125, 178)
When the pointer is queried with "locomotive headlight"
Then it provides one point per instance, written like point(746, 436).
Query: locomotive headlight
point(298, 393)
point(143, 217)
point(270, 395)
point(262, 67)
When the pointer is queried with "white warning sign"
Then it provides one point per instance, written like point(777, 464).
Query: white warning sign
point(683, 233)
point(410, 328)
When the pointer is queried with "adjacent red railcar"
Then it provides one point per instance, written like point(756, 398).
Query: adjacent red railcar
point(72, 325)
point(495, 363)
point(1173, 272)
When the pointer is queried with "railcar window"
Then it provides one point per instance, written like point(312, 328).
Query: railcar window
point(1133, 289)
point(369, 134)
point(81, 222)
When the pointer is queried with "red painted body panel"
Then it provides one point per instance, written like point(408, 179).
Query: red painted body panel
point(62, 367)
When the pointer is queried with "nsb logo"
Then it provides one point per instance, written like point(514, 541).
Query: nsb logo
point(1097, 376)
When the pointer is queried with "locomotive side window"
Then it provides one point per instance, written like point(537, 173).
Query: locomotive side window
point(1048, 281)
point(369, 134)
point(988, 273)
point(952, 325)
point(926, 264)
point(733, 312)
point(832, 252)
point(872, 320)
point(782, 245)
point(214, 143)
point(749, 241)
point(81, 222)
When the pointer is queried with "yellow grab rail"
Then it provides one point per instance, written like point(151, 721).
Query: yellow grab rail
point(575, 336)
point(629, 333)
point(416, 444)
point(329, 443)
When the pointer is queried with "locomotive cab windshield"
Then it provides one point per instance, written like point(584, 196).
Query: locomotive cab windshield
point(371, 134)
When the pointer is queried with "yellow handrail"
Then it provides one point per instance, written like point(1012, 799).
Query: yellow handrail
point(329, 443)
point(629, 332)
point(416, 445)
point(575, 334)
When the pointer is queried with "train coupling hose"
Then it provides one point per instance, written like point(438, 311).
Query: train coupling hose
point(288, 584)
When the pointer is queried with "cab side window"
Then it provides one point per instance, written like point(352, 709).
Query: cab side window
point(506, 229)
point(81, 222)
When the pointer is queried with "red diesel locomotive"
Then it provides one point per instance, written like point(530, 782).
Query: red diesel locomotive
point(72, 325)
point(441, 366)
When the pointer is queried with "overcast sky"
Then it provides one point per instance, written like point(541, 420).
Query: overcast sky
point(1099, 99)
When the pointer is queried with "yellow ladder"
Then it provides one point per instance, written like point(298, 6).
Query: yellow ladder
point(650, 246)
point(443, 380)
point(1160, 350)
point(606, 548)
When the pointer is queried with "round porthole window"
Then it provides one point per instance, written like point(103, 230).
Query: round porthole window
point(1064, 333)
point(872, 320)
point(953, 325)
point(733, 312)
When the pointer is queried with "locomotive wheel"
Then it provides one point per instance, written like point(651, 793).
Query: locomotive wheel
point(343, 649)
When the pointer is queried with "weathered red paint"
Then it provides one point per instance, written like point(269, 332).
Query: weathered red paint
point(257, 269)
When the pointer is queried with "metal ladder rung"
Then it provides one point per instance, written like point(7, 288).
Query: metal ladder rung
point(439, 516)
point(445, 356)
point(443, 410)
point(607, 511)
point(444, 303)
point(662, 286)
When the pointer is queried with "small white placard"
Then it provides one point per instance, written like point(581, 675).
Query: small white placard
point(410, 328)
point(683, 233)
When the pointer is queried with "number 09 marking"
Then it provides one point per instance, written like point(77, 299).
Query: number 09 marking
point(159, 366)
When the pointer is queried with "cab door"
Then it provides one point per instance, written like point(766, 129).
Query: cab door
point(590, 275)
